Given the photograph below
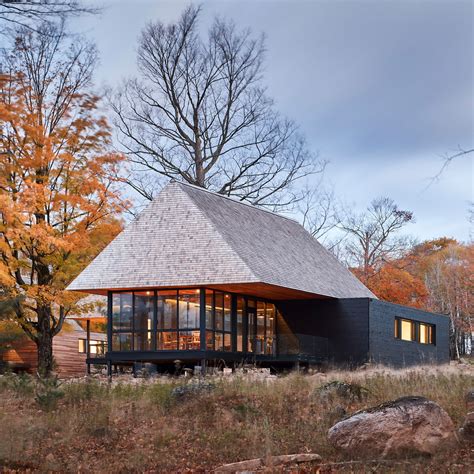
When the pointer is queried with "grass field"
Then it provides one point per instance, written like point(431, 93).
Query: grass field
point(156, 426)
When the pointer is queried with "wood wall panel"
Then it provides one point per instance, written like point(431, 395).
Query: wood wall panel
point(69, 362)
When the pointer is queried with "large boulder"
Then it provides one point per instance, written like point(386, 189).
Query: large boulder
point(467, 429)
point(408, 425)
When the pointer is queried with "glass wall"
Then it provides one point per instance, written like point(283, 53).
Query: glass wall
point(218, 321)
point(166, 320)
point(177, 320)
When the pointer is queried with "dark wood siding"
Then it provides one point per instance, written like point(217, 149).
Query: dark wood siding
point(386, 349)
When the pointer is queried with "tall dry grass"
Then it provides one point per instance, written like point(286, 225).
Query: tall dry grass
point(101, 427)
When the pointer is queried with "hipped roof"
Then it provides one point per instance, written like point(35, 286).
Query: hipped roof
point(188, 236)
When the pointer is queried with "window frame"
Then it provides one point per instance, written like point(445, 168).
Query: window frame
point(416, 331)
point(207, 334)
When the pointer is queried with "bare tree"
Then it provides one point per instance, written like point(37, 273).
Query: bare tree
point(372, 236)
point(320, 214)
point(29, 13)
point(198, 113)
point(448, 158)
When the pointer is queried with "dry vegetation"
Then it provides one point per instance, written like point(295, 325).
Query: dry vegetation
point(93, 426)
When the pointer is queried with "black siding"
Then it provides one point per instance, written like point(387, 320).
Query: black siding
point(359, 330)
point(386, 349)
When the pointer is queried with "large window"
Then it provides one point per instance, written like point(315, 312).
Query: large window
point(409, 330)
point(240, 323)
point(218, 321)
point(177, 320)
point(261, 327)
point(169, 320)
point(143, 320)
point(188, 310)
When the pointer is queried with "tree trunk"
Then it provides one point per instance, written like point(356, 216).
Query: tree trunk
point(44, 342)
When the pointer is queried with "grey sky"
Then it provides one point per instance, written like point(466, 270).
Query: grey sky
point(381, 89)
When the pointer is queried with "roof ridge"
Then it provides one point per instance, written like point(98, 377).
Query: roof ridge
point(216, 229)
point(244, 203)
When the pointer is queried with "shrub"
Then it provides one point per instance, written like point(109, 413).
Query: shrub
point(48, 393)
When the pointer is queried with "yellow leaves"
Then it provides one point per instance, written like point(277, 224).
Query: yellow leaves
point(56, 189)
point(6, 279)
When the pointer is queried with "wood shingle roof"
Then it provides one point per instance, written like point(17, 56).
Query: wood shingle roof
point(188, 236)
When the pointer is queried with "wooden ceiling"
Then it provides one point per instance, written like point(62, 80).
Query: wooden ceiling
point(259, 290)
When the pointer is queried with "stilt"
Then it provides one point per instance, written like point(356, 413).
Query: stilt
point(88, 345)
point(203, 367)
point(109, 369)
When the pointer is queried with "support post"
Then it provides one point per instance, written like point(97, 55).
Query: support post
point(88, 345)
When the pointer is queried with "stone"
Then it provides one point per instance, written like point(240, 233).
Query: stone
point(252, 465)
point(408, 425)
point(344, 390)
point(467, 429)
point(249, 465)
point(294, 459)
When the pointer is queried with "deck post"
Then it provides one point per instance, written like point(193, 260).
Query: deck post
point(88, 345)
point(202, 327)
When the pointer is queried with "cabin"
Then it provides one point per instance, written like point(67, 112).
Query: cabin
point(72, 346)
point(206, 280)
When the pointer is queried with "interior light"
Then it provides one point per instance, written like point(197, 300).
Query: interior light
point(147, 292)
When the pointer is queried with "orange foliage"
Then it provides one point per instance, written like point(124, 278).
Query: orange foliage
point(435, 275)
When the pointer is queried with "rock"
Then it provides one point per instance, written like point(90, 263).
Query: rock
point(467, 429)
point(347, 391)
point(193, 388)
point(408, 425)
point(254, 464)
point(249, 465)
point(293, 459)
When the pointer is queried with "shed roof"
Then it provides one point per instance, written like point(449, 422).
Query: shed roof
point(188, 236)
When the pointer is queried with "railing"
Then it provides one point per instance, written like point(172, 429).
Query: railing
point(303, 345)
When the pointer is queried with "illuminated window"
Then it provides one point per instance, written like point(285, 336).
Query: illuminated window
point(240, 323)
point(82, 346)
point(407, 330)
point(218, 321)
point(95, 347)
point(425, 334)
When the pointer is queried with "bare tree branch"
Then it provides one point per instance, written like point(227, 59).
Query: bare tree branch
point(448, 158)
point(30, 13)
point(372, 235)
point(198, 113)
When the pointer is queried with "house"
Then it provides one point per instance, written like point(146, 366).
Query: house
point(69, 350)
point(201, 278)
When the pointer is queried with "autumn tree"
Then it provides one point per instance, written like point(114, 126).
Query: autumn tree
point(373, 236)
point(198, 112)
point(451, 288)
point(57, 197)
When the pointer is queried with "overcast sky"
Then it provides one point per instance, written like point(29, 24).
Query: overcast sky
point(381, 89)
